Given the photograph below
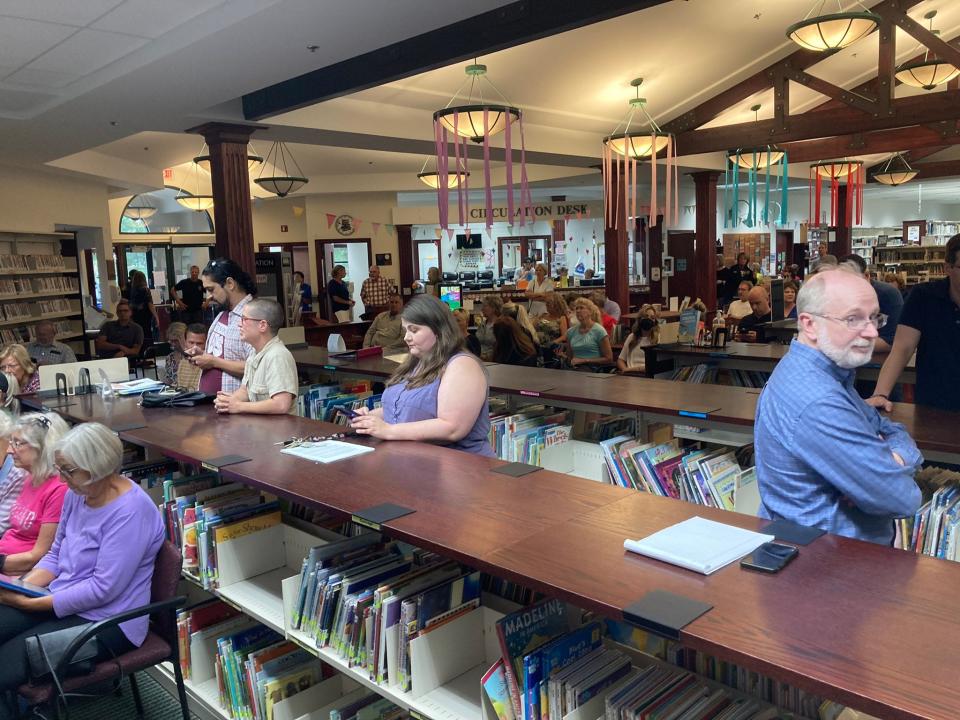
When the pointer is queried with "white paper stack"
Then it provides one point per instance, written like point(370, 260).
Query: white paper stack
point(703, 546)
point(327, 451)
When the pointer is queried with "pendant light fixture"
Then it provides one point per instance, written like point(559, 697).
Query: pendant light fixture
point(139, 208)
point(432, 179)
point(285, 181)
point(253, 159)
point(630, 141)
point(929, 72)
point(832, 171)
point(896, 171)
point(828, 32)
point(196, 201)
point(752, 160)
point(479, 120)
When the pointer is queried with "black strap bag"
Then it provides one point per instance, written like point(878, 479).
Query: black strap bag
point(44, 652)
point(178, 398)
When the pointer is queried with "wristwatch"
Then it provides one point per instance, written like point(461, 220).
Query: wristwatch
point(3, 559)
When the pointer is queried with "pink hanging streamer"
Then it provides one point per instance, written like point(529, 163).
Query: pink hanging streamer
point(486, 167)
point(440, 140)
point(509, 158)
point(526, 199)
point(457, 164)
point(668, 178)
point(465, 186)
point(653, 180)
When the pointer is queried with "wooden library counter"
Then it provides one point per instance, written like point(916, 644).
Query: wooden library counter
point(865, 625)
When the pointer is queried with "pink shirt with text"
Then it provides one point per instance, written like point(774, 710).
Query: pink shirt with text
point(36, 506)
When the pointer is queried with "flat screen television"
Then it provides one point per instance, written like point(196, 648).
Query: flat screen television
point(452, 295)
point(473, 241)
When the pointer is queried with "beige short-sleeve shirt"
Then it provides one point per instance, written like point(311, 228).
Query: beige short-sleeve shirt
point(270, 371)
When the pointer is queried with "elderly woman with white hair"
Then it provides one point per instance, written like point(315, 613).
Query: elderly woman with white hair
point(36, 511)
point(101, 562)
point(11, 477)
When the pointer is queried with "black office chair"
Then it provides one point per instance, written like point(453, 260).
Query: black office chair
point(449, 277)
point(147, 360)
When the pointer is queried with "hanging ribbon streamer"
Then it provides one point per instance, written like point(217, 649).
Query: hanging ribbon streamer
point(488, 191)
point(752, 162)
point(443, 192)
point(525, 197)
point(507, 143)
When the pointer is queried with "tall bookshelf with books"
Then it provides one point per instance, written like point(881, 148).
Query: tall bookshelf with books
point(40, 280)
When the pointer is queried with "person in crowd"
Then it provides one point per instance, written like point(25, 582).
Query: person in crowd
point(46, 349)
point(9, 389)
point(439, 393)
point(302, 288)
point(563, 279)
point(513, 346)
point(930, 326)
point(537, 290)
point(11, 476)
point(524, 274)
point(15, 361)
point(195, 340)
point(588, 341)
point(385, 331)
point(552, 326)
point(740, 307)
point(761, 313)
point(177, 337)
point(891, 303)
point(431, 286)
point(141, 302)
point(121, 337)
point(645, 332)
point(895, 279)
point(491, 308)
point(269, 384)
point(101, 561)
point(855, 474)
point(519, 313)
point(375, 291)
point(789, 300)
point(188, 297)
point(609, 322)
point(736, 274)
point(224, 358)
point(589, 273)
point(36, 511)
point(723, 276)
point(470, 341)
point(825, 260)
point(339, 294)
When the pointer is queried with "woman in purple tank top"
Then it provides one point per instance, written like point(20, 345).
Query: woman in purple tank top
point(439, 393)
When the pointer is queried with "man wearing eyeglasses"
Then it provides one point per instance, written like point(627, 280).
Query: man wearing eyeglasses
point(824, 457)
point(269, 384)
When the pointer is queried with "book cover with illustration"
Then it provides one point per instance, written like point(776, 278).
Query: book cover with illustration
point(494, 684)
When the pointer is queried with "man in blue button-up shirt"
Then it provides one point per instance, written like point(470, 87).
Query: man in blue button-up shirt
point(824, 457)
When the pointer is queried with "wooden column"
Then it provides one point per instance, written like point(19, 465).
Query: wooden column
point(230, 180)
point(845, 219)
point(705, 263)
point(558, 232)
point(616, 267)
point(655, 246)
point(408, 272)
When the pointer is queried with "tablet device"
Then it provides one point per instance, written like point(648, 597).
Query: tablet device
point(24, 588)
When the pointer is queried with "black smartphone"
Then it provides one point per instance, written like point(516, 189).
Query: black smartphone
point(770, 557)
point(349, 412)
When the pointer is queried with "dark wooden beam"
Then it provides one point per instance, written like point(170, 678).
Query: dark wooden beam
point(936, 107)
point(886, 64)
point(881, 141)
point(507, 26)
point(926, 171)
point(847, 97)
point(781, 101)
point(896, 13)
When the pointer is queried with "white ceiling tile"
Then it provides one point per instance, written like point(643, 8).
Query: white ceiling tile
point(23, 40)
point(87, 51)
point(150, 18)
point(18, 101)
point(42, 79)
point(66, 12)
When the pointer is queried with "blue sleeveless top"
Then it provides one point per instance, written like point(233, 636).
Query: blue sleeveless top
point(404, 404)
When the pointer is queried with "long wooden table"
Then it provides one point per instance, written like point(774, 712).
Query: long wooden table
point(727, 409)
point(756, 356)
point(865, 625)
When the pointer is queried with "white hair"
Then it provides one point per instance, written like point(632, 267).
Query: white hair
point(41, 431)
point(812, 298)
point(92, 447)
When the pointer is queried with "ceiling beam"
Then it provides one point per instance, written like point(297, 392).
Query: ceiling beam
point(926, 171)
point(507, 26)
point(886, 64)
point(896, 13)
point(847, 97)
point(917, 138)
point(940, 107)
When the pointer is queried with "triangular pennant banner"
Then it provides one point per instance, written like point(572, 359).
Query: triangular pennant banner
point(356, 224)
point(438, 232)
point(450, 233)
point(376, 226)
point(330, 218)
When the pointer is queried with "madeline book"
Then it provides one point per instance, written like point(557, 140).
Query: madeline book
point(522, 632)
point(494, 684)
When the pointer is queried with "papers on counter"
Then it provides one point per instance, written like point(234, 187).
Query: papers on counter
point(327, 451)
point(396, 357)
point(703, 546)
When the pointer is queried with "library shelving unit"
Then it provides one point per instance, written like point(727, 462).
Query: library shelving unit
point(939, 231)
point(40, 280)
point(915, 263)
point(864, 240)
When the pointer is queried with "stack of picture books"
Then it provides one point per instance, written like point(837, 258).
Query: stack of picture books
point(934, 529)
point(321, 402)
point(521, 437)
point(712, 374)
point(705, 476)
point(367, 601)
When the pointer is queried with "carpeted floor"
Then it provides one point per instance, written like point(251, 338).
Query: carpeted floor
point(158, 704)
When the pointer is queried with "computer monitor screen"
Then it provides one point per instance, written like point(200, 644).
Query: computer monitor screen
point(452, 295)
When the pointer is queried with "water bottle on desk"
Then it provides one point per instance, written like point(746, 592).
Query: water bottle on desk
point(106, 389)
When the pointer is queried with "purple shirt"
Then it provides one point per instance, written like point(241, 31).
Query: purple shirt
point(103, 558)
point(403, 404)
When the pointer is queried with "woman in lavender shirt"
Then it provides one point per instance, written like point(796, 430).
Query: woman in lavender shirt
point(439, 393)
point(101, 561)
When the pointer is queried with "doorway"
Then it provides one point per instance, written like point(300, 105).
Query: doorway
point(355, 255)
point(512, 251)
point(300, 253)
point(426, 255)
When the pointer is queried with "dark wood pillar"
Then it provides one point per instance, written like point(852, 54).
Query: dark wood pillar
point(845, 220)
point(558, 233)
point(616, 267)
point(705, 261)
point(405, 257)
point(655, 245)
point(230, 180)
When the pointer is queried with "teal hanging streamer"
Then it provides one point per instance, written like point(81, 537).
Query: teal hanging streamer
point(783, 189)
point(752, 208)
point(766, 189)
point(736, 194)
point(726, 185)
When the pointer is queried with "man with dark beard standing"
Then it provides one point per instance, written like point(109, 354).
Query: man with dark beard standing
point(824, 457)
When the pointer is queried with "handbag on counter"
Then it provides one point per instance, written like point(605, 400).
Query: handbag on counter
point(175, 398)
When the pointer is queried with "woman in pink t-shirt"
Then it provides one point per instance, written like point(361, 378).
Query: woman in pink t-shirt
point(36, 512)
